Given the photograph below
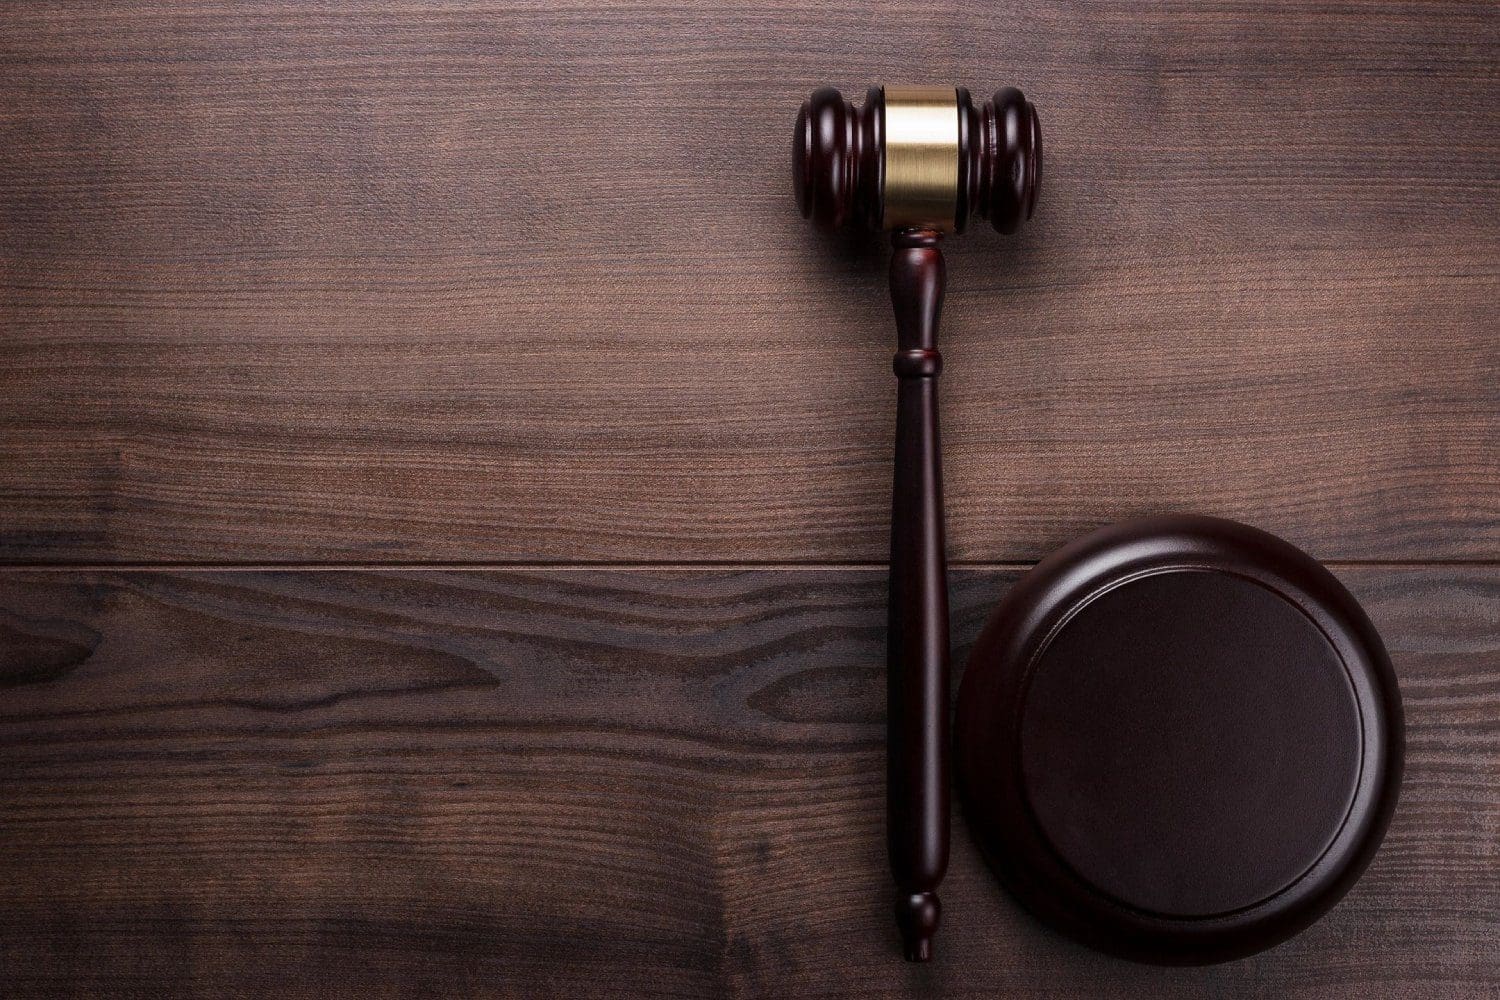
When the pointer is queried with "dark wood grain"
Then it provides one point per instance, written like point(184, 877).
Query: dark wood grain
point(589, 783)
point(453, 281)
point(502, 281)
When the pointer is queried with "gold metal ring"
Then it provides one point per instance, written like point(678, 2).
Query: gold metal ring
point(921, 157)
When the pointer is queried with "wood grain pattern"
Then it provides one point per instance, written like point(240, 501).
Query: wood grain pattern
point(480, 281)
point(589, 783)
point(517, 281)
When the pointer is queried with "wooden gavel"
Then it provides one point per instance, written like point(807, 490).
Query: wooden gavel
point(919, 161)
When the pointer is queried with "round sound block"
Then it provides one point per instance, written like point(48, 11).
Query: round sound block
point(1179, 740)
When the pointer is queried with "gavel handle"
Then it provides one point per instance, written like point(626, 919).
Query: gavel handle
point(917, 644)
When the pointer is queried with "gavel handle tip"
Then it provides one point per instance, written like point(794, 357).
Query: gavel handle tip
point(917, 916)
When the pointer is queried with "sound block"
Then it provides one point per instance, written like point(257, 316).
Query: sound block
point(1179, 740)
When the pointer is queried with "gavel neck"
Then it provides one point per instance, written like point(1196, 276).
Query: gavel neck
point(917, 278)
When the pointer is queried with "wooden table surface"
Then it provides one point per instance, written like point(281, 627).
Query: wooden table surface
point(444, 486)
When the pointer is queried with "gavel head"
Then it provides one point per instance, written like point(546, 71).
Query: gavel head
point(917, 158)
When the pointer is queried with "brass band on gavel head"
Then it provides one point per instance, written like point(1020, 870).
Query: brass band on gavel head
point(921, 158)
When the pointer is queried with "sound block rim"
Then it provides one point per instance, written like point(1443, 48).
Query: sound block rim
point(993, 700)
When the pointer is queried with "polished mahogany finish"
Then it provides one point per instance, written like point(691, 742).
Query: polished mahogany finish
point(839, 178)
point(838, 159)
point(1179, 740)
point(917, 643)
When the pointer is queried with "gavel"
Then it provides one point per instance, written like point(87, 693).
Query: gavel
point(920, 162)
